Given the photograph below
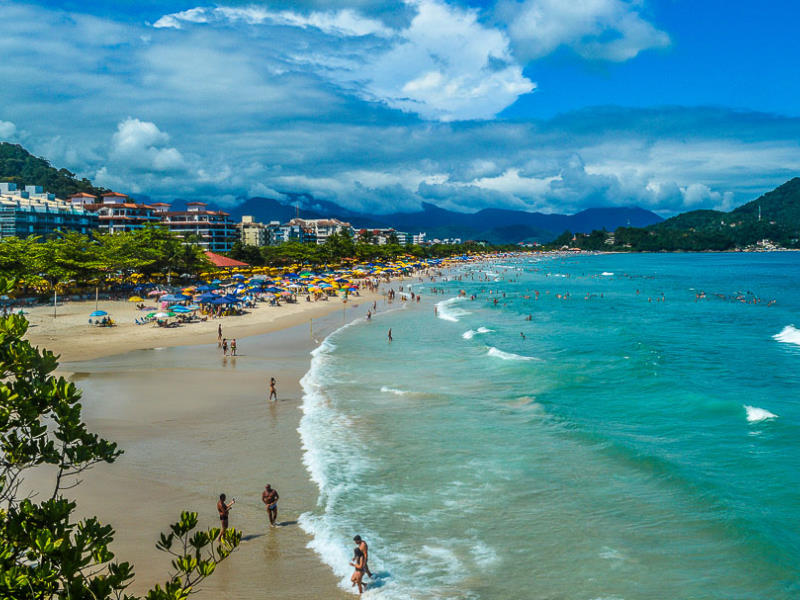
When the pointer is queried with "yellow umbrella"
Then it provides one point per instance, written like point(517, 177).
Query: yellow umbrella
point(135, 299)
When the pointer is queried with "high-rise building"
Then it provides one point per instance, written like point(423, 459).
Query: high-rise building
point(116, 213)
point(212, 229)
point(32, 211)
point(253, 233)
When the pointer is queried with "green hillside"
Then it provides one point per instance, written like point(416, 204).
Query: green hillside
point(19, 166)
point(698, 230)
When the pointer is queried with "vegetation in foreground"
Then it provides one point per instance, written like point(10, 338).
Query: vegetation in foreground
point(45, 552)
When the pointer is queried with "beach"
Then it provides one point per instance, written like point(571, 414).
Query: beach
point(194, 424)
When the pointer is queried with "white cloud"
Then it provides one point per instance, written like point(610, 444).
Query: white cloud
point(612, 30)
point(345, 22)
point(142, 144)
point(7, 129)
point(443, 65)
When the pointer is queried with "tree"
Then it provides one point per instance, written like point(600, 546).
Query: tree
point(44, 552)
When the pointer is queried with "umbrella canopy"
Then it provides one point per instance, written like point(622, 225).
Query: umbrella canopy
point(180, 309)
point(216, 282)
point(155, 292)
point(237, 276)
point(163, 315)
point(135, 299)
point(273, 289)
point(98, 313)
point(174, 298)
point(207, 297)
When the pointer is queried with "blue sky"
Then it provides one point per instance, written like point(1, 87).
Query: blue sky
point(543, 105)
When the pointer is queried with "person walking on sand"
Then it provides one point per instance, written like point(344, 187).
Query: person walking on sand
point(273, 394)
point(357, 578)
point(219, 332)
point(270, 498)
point(223, 509)
point(224, 346)
point(362, 545)
point(233, 347)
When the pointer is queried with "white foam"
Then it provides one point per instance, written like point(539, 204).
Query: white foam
point(508, 355)
point(606, 274)
point(756, 415)
point(788, 335)
point(447, 310)
point(468, 335)
point(396, 392)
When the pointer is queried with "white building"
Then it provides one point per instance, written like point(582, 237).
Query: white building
point(323, 228)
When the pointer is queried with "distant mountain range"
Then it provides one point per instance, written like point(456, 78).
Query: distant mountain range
point(494, 225)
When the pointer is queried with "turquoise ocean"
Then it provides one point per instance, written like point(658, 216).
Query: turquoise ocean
point(642, 441)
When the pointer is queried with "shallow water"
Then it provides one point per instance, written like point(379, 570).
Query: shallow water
point(639, 441)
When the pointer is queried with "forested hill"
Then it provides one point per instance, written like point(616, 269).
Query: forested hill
point(19, 166)
point(774, 216)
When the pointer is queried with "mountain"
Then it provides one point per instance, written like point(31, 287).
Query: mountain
point(19, 166)
point(774, 216)
point(496, 225)
point(492, 224)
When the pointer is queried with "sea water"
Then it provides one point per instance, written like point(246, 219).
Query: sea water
point(640, 441)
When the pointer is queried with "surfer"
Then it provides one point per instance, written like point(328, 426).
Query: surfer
point(270, 499)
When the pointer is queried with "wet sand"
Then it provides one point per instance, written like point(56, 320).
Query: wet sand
point(192, 425)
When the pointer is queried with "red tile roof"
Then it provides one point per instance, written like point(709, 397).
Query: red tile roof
point(83, 195)
point(223, 261)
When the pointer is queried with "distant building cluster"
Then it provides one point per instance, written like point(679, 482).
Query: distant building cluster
point(317, 231)
point(32, 211)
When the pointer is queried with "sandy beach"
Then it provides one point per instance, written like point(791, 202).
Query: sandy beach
point(70, 335)
point(194, 424)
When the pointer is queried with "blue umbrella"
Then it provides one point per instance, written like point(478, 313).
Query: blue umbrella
point(207, 297)
point(173, 298)
point(98, 313)
point(237, 276)
point(273, 290)
point(291, 275)
point(206, 288)
point(216, 282)
point(219, 300)
point(180, 309)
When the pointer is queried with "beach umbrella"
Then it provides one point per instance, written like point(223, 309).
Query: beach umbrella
point(180, 309)
point(216, 282)
point(174, 298)
point(135, 299)
point(192, 307)
point(207, 297)
point(163, 315)
point(98, 313)
point(237, 276)
point(155, 292)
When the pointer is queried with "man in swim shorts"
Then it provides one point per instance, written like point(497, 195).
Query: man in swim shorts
point(223, 509)
point(270, 498)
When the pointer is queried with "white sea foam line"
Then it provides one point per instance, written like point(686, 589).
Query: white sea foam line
point(756, 414)
point(468, 335)
point(606, 274)
point(447, 310)
point(396, 392)
point(788, 335)
point(497, 353)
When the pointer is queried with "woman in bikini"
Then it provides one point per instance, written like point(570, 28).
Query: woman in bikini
point(358, 575)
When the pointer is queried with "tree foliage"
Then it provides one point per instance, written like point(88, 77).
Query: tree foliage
point(45, 552)
point(19, 166)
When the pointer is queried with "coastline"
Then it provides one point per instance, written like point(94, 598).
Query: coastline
point(125, 377)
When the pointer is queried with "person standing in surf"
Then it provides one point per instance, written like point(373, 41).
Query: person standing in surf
point(390, 334)
point(223, 509)
point(362, 545)
point(270, 499)
point(273, 394)
point(358, 575)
